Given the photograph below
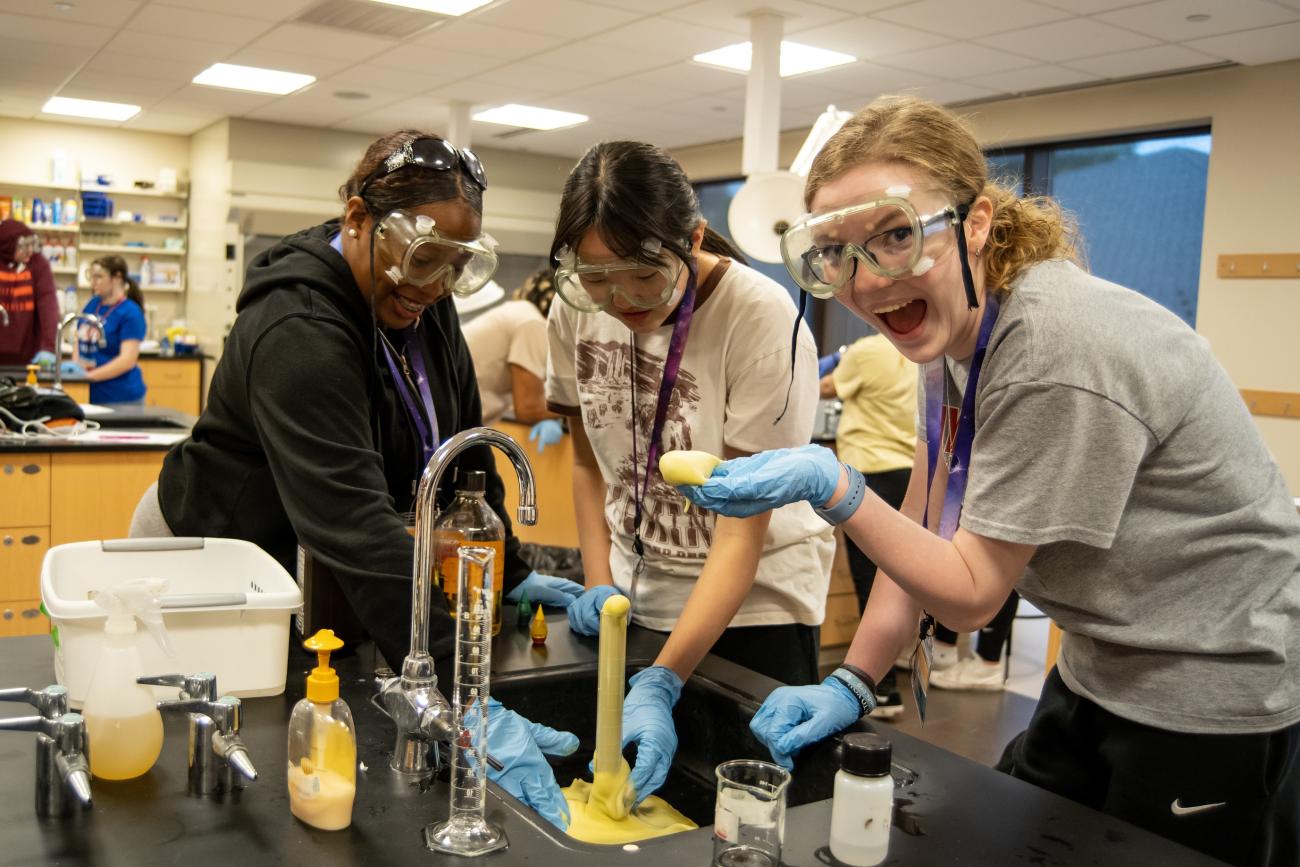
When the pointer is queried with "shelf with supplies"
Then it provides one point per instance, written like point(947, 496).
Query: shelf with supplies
point(133, 191)
point(152, 287)
point(127, 248)
point(73, 228)
point(134, 224)
point(61, 270)
point(39, 185)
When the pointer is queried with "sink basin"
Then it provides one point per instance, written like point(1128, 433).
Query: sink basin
point(712, 722)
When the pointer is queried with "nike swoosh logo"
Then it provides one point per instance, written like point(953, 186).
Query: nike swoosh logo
point(1179, 810)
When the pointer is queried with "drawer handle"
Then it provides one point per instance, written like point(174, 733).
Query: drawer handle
point(31, 540)
point(31, 613)
point(31, 469)
point(8, 614)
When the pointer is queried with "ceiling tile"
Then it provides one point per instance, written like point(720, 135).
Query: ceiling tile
point(962, 19)
point(109, 13)
point(957, 60)
point(195, 99)
point(568, 19)
point(1167, 19)
point(22, 28)
point(38, 82)
point(867, 38)
point(122, 63)
point(531, 76)
point(435, 65)
point(308, 109)
point(668, 38)
point(862, 77)
point(23, 53)
point(482, 93)
point(1268, 45)
point(1144, 61)
point(266, 10)
point(461, 33)
point(422, 114)
point(632, 92)
point(217, 27)
point(1067, 40)
point(1032, 78)
point(129, 88)
point(171, 122)
point(599, 58)
point(270, 58)
point(20, 106)
point(1294, 4)
point(730, 15)
point(713, 107)
point(313, 39)
point(123, 94)
point(859, 7)
point(645, 7)
point(949, 92)
point(146, 46)
point(379, 81)
point(691, 77)
point(1088, 7)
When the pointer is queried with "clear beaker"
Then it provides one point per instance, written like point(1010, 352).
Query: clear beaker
point(749, 814)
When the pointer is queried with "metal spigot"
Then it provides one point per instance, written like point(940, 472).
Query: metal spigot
point(219, 761)
point(412, 700)
point(58, 341)
point(61, 743)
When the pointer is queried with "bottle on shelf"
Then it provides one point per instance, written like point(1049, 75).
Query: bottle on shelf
point(146, 272)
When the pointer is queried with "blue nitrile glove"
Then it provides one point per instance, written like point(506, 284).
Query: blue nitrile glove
point(793, 717)
point(547, 589)
point(45, 358)
point(72, 368)
point(768, 480)
point(546, 432)
point(827, 363)
point(584, 613)
point(519, 746)
point(648, 722)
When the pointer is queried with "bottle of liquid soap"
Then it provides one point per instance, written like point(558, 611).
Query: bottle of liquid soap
point(322, 746)
point(469, 520)
point(122, 720)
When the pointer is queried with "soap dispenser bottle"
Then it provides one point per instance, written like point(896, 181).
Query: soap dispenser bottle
point(123, 726)
point(322, 746)
point(469, 520)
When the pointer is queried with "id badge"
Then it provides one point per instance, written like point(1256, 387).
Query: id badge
point(922, 661)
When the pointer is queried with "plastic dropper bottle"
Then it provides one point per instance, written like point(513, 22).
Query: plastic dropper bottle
point(123, 725)
point(863, 809)
point(322, 745)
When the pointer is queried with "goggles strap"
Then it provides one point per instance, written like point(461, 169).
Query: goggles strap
point(969, 281)
point(794, 347)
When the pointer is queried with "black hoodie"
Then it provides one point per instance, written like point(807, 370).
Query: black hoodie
point(305, 439)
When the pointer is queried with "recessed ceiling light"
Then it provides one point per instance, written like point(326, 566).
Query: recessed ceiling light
point(252, 78)
point(350, 94)
point(530, 117)
point(91, 108)
point(1198, 17)
point(441, 7)
point(796, 59)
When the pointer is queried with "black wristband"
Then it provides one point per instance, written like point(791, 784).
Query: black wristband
point(860, 675)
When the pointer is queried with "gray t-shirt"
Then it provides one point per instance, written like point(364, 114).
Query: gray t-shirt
point(1168, 545)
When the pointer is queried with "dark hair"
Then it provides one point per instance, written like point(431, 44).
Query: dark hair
point(115, 266)
point(538, 288)
point(630, 192)
point(408, 187)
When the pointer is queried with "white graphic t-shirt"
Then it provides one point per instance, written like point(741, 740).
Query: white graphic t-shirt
point(731, 388)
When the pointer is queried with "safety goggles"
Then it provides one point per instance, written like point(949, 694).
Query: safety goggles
point(411, 252)
point(429, 153)
point(591, 287)
point(31, 243)
point(895, 234)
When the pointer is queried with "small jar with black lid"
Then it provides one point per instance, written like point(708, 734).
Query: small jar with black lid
point(863, 808)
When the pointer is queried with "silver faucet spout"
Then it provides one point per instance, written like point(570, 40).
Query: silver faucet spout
point(412, 700)
point(61, 766)
point(219, 761)
point(58, 340)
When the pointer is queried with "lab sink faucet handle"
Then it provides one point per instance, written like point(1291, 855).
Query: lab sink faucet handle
point(219, 760)
point(70, 319)
point(61, 765)
point(412, 700)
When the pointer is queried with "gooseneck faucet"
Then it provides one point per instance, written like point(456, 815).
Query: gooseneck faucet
point(61, 766)
point(58, 340)
point(412, 700)
point(219, 761)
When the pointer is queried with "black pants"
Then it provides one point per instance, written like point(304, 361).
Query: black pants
point(787, 652)
point(1157, 779)
point(890, 486)
point(993, 637)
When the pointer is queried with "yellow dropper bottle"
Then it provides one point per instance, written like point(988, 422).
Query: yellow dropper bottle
point(322, 745)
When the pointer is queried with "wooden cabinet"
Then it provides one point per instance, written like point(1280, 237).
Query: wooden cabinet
point(553, 474)
point(842, 614)
point(22, 617)
point(94, 494)
point(174, 384)
point(22, 549)
point(78, 391)
point(24, 490)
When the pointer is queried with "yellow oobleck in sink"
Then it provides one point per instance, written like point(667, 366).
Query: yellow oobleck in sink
point(600, 811)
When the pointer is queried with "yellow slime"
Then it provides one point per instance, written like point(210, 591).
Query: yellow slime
point(600, 811)
point(687, 468)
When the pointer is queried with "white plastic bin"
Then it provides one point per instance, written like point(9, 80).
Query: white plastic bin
point(243, 641)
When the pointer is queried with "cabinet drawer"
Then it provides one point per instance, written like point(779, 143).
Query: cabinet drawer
point(183, 398)
point(78, 391)
point(24, 490)
point(169, 373)
point(22, 550)
point(22, 618)
point(841, 619)
point(841, 576)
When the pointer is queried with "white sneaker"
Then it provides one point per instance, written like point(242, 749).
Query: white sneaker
point(945, 656)
point(970, 674)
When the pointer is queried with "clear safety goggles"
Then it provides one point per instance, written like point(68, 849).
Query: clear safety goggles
point(411, 252)
point(591, 287)
point(895, 234)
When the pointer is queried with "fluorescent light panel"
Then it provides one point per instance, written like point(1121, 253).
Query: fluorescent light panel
point(91, 108)
point(530, 117)
point(441, 7)
point(796, 58)
point(251, 78)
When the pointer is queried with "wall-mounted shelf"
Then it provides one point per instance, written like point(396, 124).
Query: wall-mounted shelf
point(165, 287)
point(63, 271)
point(123, 248)
point(1239, 265)
point(134, 191)
point(55, 227)
point(29, 185)
point(135, 224)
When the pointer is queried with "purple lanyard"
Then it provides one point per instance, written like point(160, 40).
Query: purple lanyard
point(672, 367)
point(424, 418)
point(965, 433)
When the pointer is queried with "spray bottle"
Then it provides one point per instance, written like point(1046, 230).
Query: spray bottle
point(122, 720)
point(322, 745)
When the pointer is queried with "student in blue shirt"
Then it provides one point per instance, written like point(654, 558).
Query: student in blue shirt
point(112, 369)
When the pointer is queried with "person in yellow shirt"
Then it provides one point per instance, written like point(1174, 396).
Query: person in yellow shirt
point(877, 437)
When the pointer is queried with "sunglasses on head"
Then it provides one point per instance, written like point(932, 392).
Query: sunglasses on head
point(429, 153)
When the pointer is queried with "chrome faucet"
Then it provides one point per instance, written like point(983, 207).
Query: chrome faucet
point(58, 340)
point(412, 700)
point(61, 742)
point(219, 761)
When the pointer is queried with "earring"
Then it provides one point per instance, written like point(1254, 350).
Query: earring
point(978, 252)
point(352, 233)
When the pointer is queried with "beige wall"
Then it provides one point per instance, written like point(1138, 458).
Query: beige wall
point(1252, 200)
